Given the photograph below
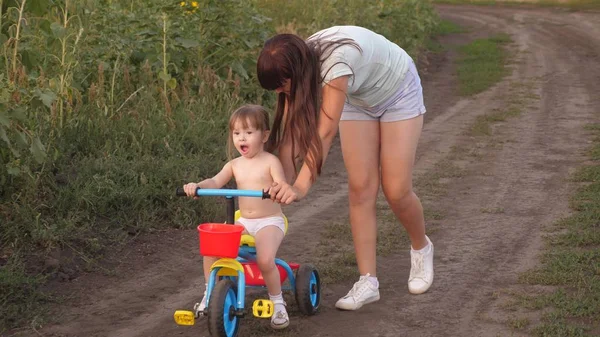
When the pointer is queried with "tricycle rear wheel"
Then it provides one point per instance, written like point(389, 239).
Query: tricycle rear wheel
point(308, 289)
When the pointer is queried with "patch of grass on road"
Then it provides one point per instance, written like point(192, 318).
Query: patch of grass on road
point(571, 261)
point(481, 64)
point(444, 27)
point(521, 94)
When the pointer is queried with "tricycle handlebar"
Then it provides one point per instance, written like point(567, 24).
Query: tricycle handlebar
point(224, 192)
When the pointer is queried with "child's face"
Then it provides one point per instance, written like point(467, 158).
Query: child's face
point(248, 141)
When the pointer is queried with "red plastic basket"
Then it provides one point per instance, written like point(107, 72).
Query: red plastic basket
point(220, 240)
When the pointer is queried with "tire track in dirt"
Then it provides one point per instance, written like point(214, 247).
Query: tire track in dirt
point(476, 252)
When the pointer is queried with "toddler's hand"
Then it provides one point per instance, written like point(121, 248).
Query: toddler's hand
point(284, 193)
point(190, 190)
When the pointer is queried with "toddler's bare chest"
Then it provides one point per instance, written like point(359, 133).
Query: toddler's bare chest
point(245, 176)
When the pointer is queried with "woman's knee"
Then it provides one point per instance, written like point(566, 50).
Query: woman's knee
point(397, 192)
point(364, 192)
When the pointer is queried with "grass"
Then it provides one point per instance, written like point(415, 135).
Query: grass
point(444, 27)
point(520, 95)
point(571, 261)
point(19, 294)
point(481, 64)
point(518, 323)
point(570, 4)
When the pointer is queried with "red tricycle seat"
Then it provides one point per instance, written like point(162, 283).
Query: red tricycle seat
point(254, 277)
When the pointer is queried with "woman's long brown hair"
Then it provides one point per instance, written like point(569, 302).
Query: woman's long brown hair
point(287, 56)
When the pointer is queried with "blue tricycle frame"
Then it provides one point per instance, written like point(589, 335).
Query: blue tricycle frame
point(227, 283)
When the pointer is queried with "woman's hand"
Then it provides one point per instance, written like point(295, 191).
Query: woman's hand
point(285, 193)
point(190, 189)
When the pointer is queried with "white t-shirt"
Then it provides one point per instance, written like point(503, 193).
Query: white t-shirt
point(378, 70)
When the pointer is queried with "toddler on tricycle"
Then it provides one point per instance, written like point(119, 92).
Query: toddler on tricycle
point(243, 252)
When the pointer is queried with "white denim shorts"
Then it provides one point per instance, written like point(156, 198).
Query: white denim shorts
point(406, 103)
point(252, 226)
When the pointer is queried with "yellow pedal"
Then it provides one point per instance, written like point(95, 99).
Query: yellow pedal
point(184, 317)
point(263, 308)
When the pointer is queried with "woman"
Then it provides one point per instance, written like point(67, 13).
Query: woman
point(352, 78)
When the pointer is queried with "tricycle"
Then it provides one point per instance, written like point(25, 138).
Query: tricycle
point(236, 269)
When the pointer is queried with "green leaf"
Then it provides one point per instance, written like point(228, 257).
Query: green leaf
point(19, 113)
point(249, 44)
point(58, 30)
point(47, 97)
point(21, 139)
point(38, 7)
point(164, 76)
point(187, 43)
point(172, 83)
point(4, 120)
point(29, 58)
point(4, 95)
point(37, 149)
point(239, 69)
point(45, 26)
point(13, 170)
point(3, 136)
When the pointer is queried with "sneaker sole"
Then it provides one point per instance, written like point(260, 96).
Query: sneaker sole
point(359, 305)
point(280, 326)
point(418, 291)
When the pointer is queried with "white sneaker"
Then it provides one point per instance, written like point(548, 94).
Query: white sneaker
point(280, 319)
point(363, 292)
point(421, 270)
point(202, 305)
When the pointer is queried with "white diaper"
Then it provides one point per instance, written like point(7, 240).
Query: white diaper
point(252, 226)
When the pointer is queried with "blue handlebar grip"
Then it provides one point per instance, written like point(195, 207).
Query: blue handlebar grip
point(230, 193)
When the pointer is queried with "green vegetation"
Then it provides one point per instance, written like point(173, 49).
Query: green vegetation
point(482, 64)
point(108, 105)
point(571, 262)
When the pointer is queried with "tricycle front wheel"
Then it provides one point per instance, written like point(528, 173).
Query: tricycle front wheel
point(222, 320)
point(308, 289)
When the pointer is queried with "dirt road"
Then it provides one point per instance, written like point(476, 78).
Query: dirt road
point(509, 186)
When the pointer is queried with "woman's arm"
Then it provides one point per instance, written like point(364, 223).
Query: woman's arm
point(285, 156)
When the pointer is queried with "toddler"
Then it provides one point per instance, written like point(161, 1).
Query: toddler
point(254, 169)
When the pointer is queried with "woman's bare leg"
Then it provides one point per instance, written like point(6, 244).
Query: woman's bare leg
point(398, 147)
point(360, 148)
